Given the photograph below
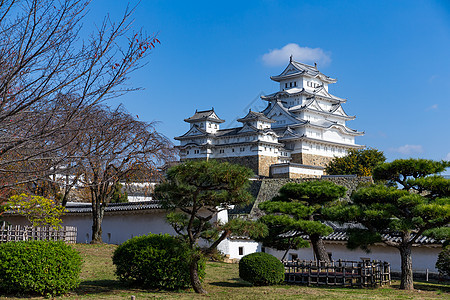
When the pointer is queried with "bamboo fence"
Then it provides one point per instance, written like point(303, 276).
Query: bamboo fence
point(10, 233)
point(338, 273)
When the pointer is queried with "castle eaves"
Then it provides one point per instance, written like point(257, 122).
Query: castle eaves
point(296, 69)
point(204, 115)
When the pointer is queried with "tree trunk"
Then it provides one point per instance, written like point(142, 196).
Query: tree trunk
point(97, 218)
point(407, 273)
point(195, 280)
point(216, 243)
point(287, 250)
point(319, 248)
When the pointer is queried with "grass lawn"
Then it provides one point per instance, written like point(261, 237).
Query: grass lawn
point(222, 282)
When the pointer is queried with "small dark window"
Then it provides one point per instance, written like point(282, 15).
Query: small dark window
point(295, 83)
point(294, 256)
point(290, 84)
point(241, 250)
point(330, 255)
point(285, 85)
point(232, 150)
point(263, 249)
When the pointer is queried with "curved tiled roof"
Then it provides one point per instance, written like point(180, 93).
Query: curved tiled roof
point(340, 235)
point(296, 68)
point(298, 91)
point(204, 115)
point(115, 207)
point(253, 115)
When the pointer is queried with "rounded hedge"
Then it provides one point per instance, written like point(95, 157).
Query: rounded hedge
point(44, 267)
point(261, 269)
point(443, 261)
point(155, 261)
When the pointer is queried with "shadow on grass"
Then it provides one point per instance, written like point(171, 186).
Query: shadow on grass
point(107, 286)
point(102, 286)
point(431, 286)
point(234, 282)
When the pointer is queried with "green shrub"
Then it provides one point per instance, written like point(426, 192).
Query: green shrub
point(261, 269)
point(43, 267)
point(443, 261)
point(155, 261)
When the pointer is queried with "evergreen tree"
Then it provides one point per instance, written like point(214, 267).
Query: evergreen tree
point(358, 161)
point(418, 203)
point(200, 190)
point(296, 212)
point(118, 196)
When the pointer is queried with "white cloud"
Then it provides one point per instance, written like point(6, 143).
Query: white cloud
point(408, 149)
point(279, 57)
point(434, 106)
point(447, 157)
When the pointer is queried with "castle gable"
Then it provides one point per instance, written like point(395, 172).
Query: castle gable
point(194, 131)
point(248, 128)
point(282, 116)
point(338, 110)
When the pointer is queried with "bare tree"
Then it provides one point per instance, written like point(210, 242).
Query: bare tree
point(113, 145)
point(50, 78)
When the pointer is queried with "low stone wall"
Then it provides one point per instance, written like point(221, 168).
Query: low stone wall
point(270, 187)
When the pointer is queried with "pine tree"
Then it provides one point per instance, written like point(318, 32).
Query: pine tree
point(200, 190)
point(410, 203)
point(296, 212)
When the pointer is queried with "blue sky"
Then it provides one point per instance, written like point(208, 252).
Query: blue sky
point(391, 59)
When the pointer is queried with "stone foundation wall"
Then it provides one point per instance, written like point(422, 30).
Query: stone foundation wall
point(261, 164)
point(316, 160)
point(310, 159)
point(297, 158)
point(264, 165)
point(248, 161)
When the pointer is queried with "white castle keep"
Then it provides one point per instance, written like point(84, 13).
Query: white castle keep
point(302, 128)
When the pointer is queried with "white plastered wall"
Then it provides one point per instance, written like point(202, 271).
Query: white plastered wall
point(117, 228)
point(423, 257)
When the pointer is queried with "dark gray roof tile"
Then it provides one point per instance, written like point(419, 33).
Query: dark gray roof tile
point(115, 207)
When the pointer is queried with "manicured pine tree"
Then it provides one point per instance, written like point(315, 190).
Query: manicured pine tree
point(200, 190)
point(409, 204)
point(296, 212)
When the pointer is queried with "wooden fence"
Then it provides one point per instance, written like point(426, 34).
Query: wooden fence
point(16, 233)
point(338, 273)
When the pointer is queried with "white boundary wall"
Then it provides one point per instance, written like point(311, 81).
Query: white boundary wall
point(423, 257)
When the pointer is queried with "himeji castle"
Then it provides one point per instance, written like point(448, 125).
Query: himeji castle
point(302, 128)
